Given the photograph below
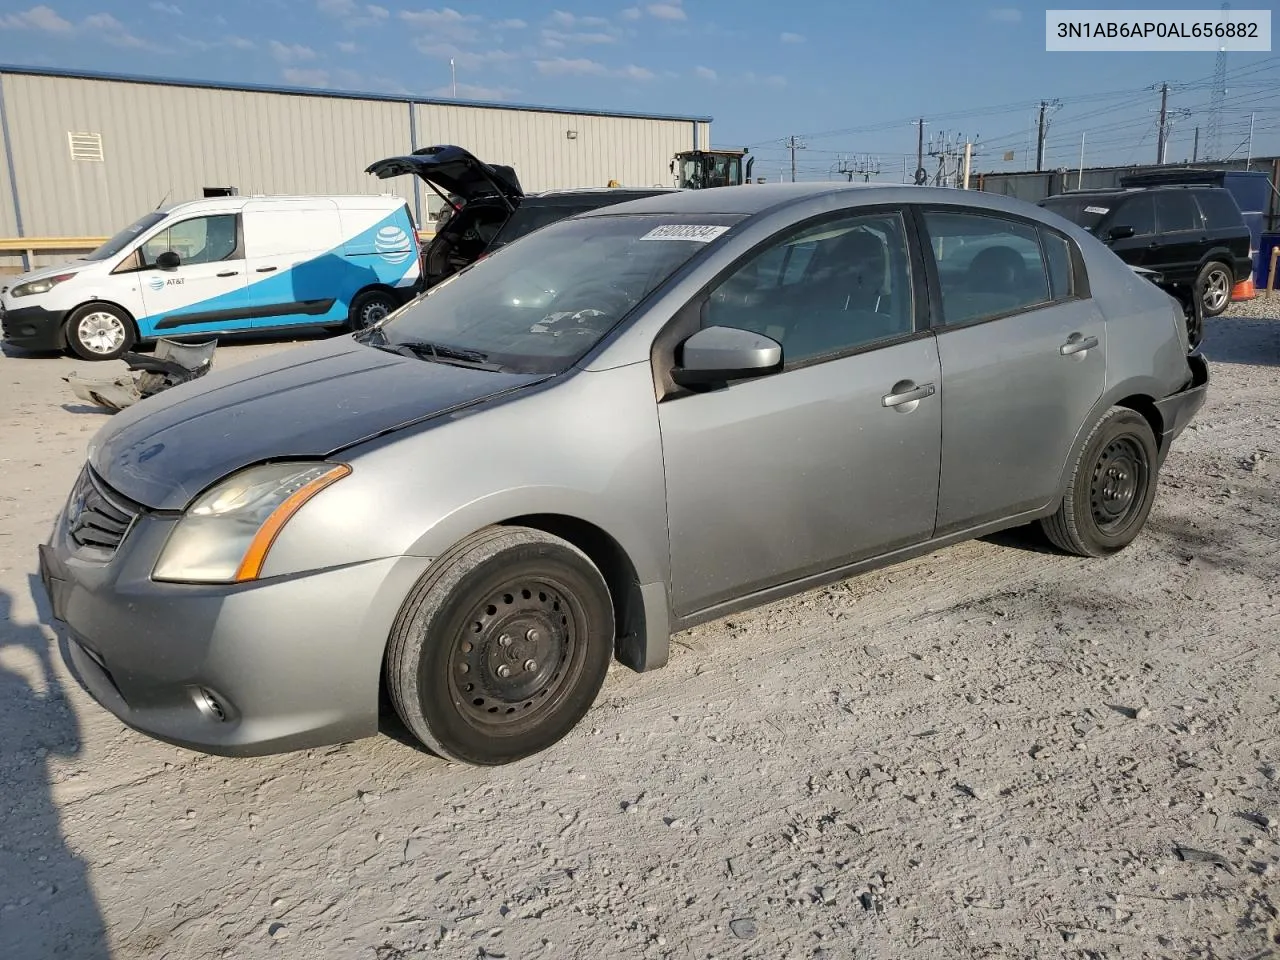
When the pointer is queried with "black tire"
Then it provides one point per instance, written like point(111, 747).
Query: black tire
point(1213, 287)
point(1112, 488)
point(369, 307)
point(99, 331)
point(507, 599)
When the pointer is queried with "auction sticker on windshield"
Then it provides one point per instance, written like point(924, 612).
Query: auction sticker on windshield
point(681, 231)
point(1097, 209)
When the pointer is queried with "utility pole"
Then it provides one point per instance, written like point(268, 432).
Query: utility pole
point(1080, 175)
point(968, 162)
point(1043, 129)
point(1195, 148)
point(1162, 140)
point(794, 143)
point(1248, 157)
point(921, 174)
point(453, 76)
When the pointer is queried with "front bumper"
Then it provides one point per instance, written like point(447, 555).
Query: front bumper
point(32, 328)
point(1179, 409)
point(290, 663)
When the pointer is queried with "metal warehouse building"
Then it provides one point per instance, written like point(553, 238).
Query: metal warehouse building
point(85, 154)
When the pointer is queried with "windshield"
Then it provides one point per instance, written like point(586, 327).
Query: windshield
point(709, 170)
point(125, 236)
point(1084, 212)
point(539, 305)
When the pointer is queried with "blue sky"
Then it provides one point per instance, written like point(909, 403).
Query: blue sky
point(846, 76)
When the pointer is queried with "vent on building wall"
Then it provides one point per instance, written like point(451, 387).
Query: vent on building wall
point(85, 146)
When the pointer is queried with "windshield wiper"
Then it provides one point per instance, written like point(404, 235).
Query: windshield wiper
point(441, 353)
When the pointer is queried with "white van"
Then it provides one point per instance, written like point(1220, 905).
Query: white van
point(222, 265)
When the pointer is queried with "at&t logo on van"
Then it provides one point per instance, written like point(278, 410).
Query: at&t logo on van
point(392, 244)
point(155, 282)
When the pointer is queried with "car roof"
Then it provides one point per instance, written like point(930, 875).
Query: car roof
point(604, 194)
point(1129, 191)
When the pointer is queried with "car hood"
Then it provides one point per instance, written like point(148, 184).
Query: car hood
point(453, 170)
point(308, 402)
point(70, 266)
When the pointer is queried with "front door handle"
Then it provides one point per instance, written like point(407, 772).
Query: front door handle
point(267, 269)
point(906, 392)
point(228, 273)
point(1077, 344)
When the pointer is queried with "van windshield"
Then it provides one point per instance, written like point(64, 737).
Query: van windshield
point(539, 305)
point(125, 236)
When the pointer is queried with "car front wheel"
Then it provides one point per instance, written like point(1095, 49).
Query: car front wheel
point(369, 308)
point(1112, 488)
point(99, 332)
point(502, 647)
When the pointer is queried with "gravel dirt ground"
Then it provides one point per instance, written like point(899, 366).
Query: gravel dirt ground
point(994, 751)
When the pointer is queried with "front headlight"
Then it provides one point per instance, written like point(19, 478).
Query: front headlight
point(43, 285)
point(224, 536)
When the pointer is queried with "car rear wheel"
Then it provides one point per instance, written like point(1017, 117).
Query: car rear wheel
point(1214, 285)
point(370, 307)
point(1112, 488)
point(99, 332)
point(502, 647)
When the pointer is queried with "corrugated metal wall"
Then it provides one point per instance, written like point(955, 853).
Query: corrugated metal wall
point(635, 152)
point(168, 141)
point(8, 216)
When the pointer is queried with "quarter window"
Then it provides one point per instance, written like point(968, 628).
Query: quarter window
point(199, 240)
point(825, 289)
point(1176, 210)
point(1057, 254)
point(987, 266)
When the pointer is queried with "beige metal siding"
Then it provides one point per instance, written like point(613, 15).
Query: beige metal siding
point(8, 217)
point(171, 141)
point(635, 152)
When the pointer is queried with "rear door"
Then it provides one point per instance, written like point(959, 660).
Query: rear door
point(1023, 356)
point(1182, 237)
point(206, 291)
point(295, 262)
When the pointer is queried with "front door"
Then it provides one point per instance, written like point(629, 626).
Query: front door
point(831, 460)
point(206, 291)
point(1023, 359)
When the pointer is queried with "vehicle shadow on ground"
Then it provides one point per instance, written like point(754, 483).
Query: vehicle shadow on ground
point(1028, 537)
point(1243, 340)
point(47, 904)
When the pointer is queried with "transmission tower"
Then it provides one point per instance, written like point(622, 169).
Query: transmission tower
point(1213, 131)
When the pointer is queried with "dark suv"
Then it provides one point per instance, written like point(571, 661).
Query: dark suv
point(489, 208)
point(1193, 236)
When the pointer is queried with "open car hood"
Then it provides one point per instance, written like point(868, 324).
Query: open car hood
point(453, 170)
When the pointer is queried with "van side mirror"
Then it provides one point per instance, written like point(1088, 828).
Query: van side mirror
point(168, 260)
point(716, 355)
point(1123, 232)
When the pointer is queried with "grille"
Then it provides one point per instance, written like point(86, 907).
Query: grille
point(97, 517)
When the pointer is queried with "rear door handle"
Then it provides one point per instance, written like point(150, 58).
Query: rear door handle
point(229, 273)
point(1077, 344)
point(907, 395)
point(266, 269)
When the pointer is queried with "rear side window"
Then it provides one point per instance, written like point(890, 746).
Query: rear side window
point(1219, 208)
point(987, 266)
point(1176, 210)
point(1057, 256)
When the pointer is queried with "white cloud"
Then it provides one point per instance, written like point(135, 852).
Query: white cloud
point(347, 46)
point(635, 73)
point(235, 43)
point(771, 80)
point(171, 8)
point(557, 38)
point(791, 38)
point(240, 43)
point(470, 91)
point(631, 13)
point(435, 18)
point(306, 78)
point(667, 11)
point(112, 31)
point(1005, 14)
point(513, 24)
point(291, 52)
point(705, 73)
point(337, 8)
point(377, 13)
point(562, 66)
point(37, 18)
point(464, 58)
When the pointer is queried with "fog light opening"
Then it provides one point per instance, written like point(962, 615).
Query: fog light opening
point(208, 704)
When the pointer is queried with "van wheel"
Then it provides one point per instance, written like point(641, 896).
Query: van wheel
point(368, 308)
point(1113, 486)
point(502, 647)
point(99, 332)
point(1214, 286)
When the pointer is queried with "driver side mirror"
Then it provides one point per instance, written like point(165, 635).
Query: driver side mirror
point(1120, 233)
point(716, 355)
point(168, 260)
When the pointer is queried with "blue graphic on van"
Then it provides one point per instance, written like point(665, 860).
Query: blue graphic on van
point(155, 282)
point(314, 292)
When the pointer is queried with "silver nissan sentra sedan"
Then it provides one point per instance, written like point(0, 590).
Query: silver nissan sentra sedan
point(624, 424)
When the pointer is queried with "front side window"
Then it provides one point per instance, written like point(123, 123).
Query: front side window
point(828, 288)
point(198, 240)
point(539, 305)
point(1176, 210)
point(987, 266)
point(1138, 212)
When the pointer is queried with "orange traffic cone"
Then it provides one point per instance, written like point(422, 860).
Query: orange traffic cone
point(1244, 290)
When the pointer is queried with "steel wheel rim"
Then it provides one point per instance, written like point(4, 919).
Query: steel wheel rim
point(1216, 290)
point(516, 656)
point(1119, 481)
point(373, 313)
point(101, 332)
